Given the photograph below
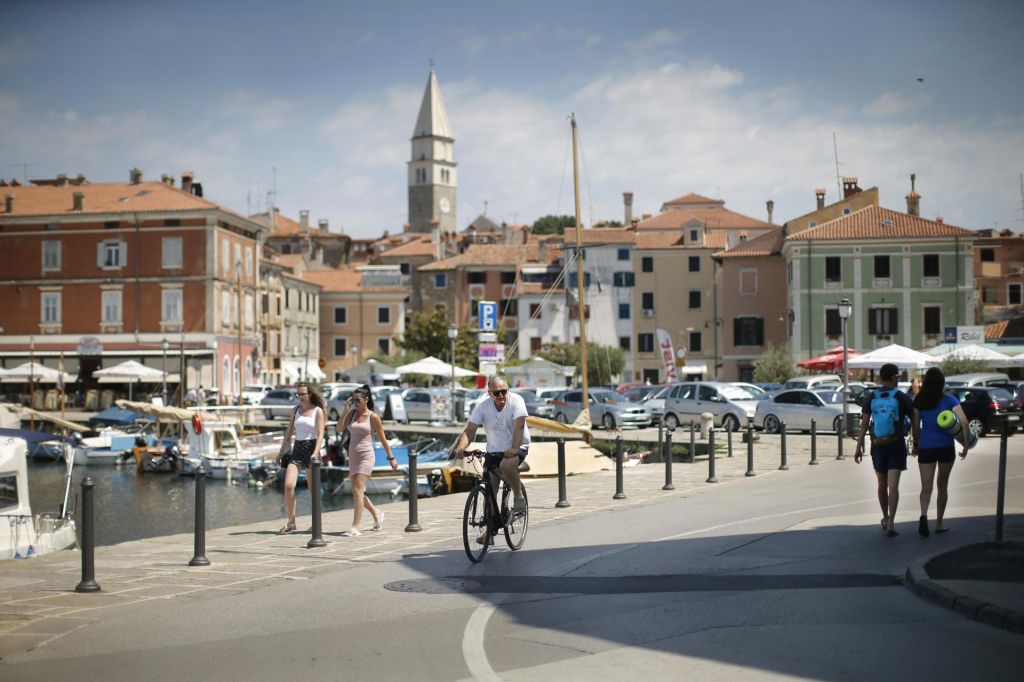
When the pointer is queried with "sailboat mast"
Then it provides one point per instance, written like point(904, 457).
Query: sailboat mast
point(581, 303)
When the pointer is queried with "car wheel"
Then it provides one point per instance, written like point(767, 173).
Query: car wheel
point(977, 427)
point(730, 423)
point(837, 424)
point(560, 418)
point(608, 422)
point(334, 415)
point(771, 424)
point(268, 415)
point(671, 421)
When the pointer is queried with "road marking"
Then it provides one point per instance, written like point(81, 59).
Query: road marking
point(473, 651)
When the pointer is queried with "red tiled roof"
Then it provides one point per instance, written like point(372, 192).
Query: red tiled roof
point(676, 239)
point(676, 218)
point(420, 245)
point(488, 254)
point(875, 222)
point(767, 244)
point(691, 199)
point(345, 280)
point(104, 197)
point(1006, 329)
point(290, 260)
point(598, 235)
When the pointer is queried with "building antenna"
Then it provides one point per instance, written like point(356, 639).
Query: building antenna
point(835, 152)
point(273, 191)
point(24, 171)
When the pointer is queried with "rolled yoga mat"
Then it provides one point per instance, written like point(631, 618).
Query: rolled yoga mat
point(949, 423)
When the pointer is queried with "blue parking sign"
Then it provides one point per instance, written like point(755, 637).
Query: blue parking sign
point(487, 313)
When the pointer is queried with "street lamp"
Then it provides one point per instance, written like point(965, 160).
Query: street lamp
point(305, 369)
point(163, 346)
point(238, 377)
point(453, 332)
point(845, 308)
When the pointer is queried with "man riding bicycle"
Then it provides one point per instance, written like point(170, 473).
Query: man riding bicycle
point(508, 439)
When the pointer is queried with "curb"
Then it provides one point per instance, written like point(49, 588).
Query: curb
point(918, 582)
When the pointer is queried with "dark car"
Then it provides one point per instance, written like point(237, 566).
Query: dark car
point(987, 407)
point(1016, 388)
point(279, 398)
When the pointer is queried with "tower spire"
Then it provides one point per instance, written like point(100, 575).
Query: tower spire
point(432, 168)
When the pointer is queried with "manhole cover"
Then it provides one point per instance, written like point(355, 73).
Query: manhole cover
point(433, 585)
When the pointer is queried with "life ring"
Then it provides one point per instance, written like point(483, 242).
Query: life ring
point(197, 424)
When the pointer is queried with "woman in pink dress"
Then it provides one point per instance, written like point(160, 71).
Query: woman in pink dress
point(362, 424)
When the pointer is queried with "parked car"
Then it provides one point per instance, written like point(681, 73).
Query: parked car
point(473, 397)
point(729, 405)
point(607, 409)
point(980, 379)
point(638, 394)
point(655, 403)
point(797, 407)
point(986, 407)
point(253, 395)
point(418, 404)
point(335, 400)
point(279, 397)
point(535, 407)
point(380, 397)
point(812, 381)
point(549, 392)
point(1016, 389)
point(755, 390)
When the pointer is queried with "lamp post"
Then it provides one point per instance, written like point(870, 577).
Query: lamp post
point(453, 332)
point(163, 346)
point(238, 380)
point(845, 308)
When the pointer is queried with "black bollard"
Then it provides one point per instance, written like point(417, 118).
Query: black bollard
point(784, 465)
point(668, 461)
point(814, 442)
point(839, 436)
point(314, 489)
point(693, 445)
point(414, 521)
point(661, 437)
point(200, 526)
point(88, 583)
point(619, 495)
point(1000, 483)
point(711, 457)
point(562, 502)
point(750, 448)
point(728, 439)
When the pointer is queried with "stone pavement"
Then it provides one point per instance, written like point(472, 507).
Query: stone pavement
point(38, 603)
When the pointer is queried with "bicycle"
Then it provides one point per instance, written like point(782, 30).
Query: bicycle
point(481, 518)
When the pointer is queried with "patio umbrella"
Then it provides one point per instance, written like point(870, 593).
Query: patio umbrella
point(829, 361)
point(901, 356)
point(33, 371)
point(130, 372)
point(431, 366)
point(980, 353)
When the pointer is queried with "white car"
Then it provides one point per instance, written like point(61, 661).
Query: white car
point(253, 395)
point(796, 408)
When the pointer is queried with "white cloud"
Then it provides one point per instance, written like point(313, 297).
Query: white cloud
point(894, 103)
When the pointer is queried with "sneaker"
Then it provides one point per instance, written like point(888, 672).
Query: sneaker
point(483, 538)
point(379, 525)
point(351, 533)
point(520, 505)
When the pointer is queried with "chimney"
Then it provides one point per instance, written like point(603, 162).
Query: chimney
point(135, 176)
point(304, 220)
point(9, 202)
point(820, 195)
point(322, 224)
point(167, 179)
point(645, 216)
point(62, 180)
point(913, 199)
point(80, 179)
point(940, 220)
point(850, 187)
point(771, 209)
point(526, 236)
point(186, 181)
point(79, 198)
point(627, 200)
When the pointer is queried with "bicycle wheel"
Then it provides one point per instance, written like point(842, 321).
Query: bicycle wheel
point(515, 523)
point(474, 523)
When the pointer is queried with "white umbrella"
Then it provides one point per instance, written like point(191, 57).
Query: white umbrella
point(33, 371)
point(901, 356)
point(980, 353)
point(433, 367)
point(130, 372)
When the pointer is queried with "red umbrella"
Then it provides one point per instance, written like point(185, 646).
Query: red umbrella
point(830, 361)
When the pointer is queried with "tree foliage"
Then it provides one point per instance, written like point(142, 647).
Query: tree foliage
point(604, 363)
point(427, 334)
point(775, 366)
point(552, 224)
point(958, 365)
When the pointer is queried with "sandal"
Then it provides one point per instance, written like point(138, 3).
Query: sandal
point(351, 533)
point(922, 526)
point(379, 524)
point(286, 530)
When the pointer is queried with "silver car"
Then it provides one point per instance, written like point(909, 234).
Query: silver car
point(284, 399)
point(729, 405)
point(607, 409)
point(798, 407)
point(655, 402)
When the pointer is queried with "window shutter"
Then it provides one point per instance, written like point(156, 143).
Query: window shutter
point(99, 255)
point(873, 321)
point(759, 340)
point(123, 255)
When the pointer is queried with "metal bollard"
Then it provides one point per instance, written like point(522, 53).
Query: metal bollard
point(1000, 483)
point(814, 442)
point(750, 448)
point(711, 457)
point(728, 439)
point(668, 460)
point(199, 558)
point(839, 435)
point(314, 489)
point(619, 495)
point(562, 502)
point(88, 583)
point(784, 465)
point(414, 494)
point(693, 445)
point(661, 435)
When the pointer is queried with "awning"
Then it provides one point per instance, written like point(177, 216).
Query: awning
point(694, 367)
point(171, 379)
point(293, 370)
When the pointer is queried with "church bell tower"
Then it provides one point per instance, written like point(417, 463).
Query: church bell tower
point(433, 175)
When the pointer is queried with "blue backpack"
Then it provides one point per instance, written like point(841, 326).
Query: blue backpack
point(885, 418)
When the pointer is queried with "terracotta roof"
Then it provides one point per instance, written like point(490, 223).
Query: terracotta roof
point(283, 225)
point(1006, 329)
point(676, 239)
point(875, 222)
point(690, 199)
point(345, 280)
point(291, 260)
point(712, 217)
point(767, 244)
point(105, 197)
point(488, 254)
point(420, 245)
point(598, 235)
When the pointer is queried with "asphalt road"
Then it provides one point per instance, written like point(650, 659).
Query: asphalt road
point(778, 577)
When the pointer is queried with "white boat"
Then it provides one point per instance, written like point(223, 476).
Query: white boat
point(110, 446)
point(223, 453)
point(29, 535)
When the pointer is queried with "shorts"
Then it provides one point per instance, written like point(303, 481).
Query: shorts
point(946, 455)
point(493, 459)
point(300, 454)
point(889, 457)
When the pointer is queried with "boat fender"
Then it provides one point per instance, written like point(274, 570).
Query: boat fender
point(197, 424)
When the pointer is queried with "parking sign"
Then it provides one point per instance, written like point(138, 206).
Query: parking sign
point(487, 313)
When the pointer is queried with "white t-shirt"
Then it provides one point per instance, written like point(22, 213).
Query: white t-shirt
point(499, 425)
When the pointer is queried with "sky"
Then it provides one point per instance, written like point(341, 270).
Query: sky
point(734, 100)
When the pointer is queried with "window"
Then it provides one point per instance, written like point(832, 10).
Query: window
point(535, 344)
point(624, 342)
point(694, 263)
point(694, 297)
point(248, 311)
point(225, 256)
point(8, 492)
point(833, 323)
point(403, 268)
point(508, 277)
point(113, 254)
point(931, 265)
point(1013, 293)
point(882, 321)
point(573, 279)
point(932, 319)
point(340, 315)
point(846, 210)
point(248, 262)
point(440, 280)
point(645, 343)
point(748, 331)
point(384, 315)
point(882, 270)
point(172, 222)
point(647, 264)
point(696, 342)
point(171, 252)
point(265, 306)
point(624, 279)
point(340, 346)
point(509, 307)
point(384, 345)
point(50, 307)
point(694, 235)
point(476, 277)
point(108, 225)
point(534, 310)
point(112, 306)
point(988, 255)
point(171, 305)
point(623, 311)
point(647, 300)
point(623, 254)
point(51, 255)
point(237, 260)
point(225, 307)
point(833, 269)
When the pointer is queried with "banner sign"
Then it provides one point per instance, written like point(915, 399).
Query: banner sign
point(949, 335)
point(970, 335)
point(668, 356)
point(492, 352)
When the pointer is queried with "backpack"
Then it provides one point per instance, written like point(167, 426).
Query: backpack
point(885, 418)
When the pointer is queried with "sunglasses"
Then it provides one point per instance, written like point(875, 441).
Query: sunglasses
point(500, 393)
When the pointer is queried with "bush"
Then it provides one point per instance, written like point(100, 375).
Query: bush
point(776, 366)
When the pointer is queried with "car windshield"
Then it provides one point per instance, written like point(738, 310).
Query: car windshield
point(1000, 394)
point(661, 393)
point(605, 396)
point(528, 396)
point(736, 393)
point(831, 397)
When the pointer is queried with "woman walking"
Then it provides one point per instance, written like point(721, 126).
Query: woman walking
point(362, 424)
point(307, 425)
point(933, 447)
